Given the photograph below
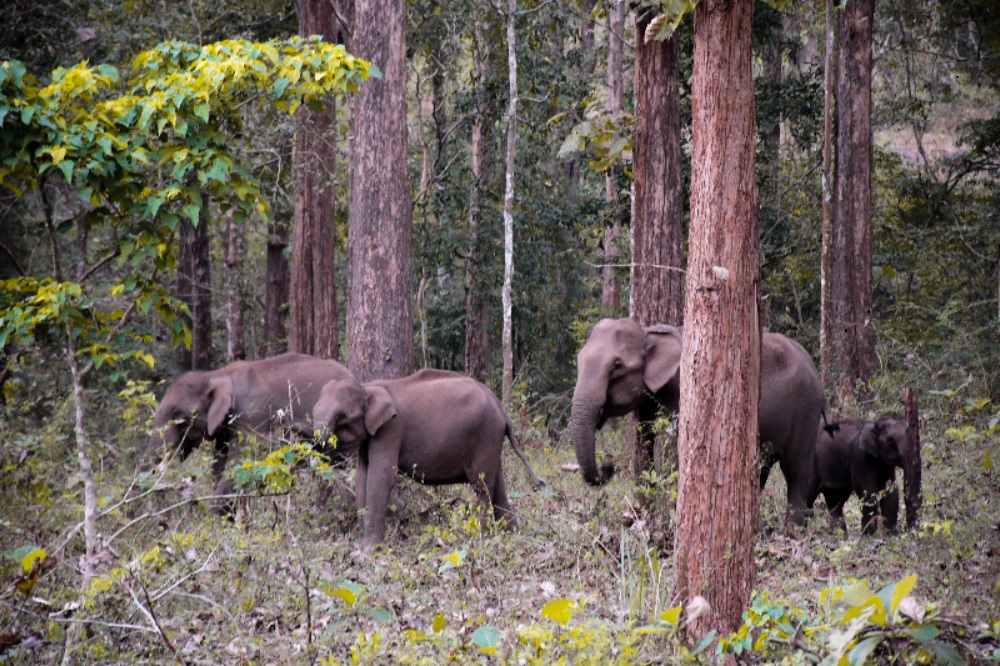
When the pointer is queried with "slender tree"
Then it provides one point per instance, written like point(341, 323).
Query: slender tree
point(657, 227)
point(508, 209)
point(276, 290)
point(313, 328)
point(849, 331)
point(611, 290)
point(829, 56)
point(720, 364)
point(194, 287)
point(476, 303)
point(380, 222)
point(236, 349)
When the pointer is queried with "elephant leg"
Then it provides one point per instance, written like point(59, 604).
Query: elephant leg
point(224, 450)
point(889, 507)
point(381, 478)
point(799, 492)
point(501, 505)
point(766, 463)
point(835, 501)
point(361, 479)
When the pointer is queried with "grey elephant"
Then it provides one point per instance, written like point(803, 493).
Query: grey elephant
point(435, 426)
point(246, 396)
point(861, 457)
point(625, 368)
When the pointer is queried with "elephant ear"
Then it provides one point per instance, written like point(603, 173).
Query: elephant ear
point(663, 355)
point(223, 402)
point(379, 409)
point(868, 439)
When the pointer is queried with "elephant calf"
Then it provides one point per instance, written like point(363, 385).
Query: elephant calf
point(435, 426)
point(862, 457)
point(246, 396)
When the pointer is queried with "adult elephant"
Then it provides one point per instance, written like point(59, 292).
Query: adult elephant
point(625, 368)
point(252, 397)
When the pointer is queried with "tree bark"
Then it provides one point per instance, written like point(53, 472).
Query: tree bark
point(380, 227)
point(194, 287)
point(508, 210)
point(611, 289)
point(657, 225)
point(912, 469)
point(851, 334)
point(276, 295)
point(720, 376)
point(825, 350)
point(476, 303)
point(313, 321)
point(236, 349)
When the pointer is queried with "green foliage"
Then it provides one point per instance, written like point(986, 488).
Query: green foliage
point(276, 472)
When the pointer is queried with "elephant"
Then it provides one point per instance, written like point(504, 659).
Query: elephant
point(625, 368)
point(251, 397)
point(862, 457)
point(437, 427)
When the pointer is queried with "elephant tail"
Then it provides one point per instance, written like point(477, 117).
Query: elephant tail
point(536, 482)
point(828, 425)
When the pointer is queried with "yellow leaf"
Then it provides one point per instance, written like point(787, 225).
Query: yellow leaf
point(561, 610)
point(439, 623)
point(670, 616)
point(901, 589)
point(28, 561)
point(58, 154)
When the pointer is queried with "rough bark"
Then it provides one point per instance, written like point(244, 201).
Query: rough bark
point(236, 349)
point(508, 210)
point(825, 351)
point(476, 304)
point(720, 377)
point(313, 320)
point(851, 334)
point(912, 470)
point(611, 292)
point(657, 228)
point(276, 294)
point(380, 227)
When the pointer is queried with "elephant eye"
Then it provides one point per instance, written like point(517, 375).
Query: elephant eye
point(618, 363)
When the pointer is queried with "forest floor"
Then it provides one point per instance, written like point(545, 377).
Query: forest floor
point(287, 582)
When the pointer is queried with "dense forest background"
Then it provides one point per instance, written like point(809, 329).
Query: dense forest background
point(935, 316)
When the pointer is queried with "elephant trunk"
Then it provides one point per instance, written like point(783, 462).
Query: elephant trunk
point(583, 425)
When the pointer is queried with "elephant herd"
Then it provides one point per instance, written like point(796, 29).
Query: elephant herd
point(441, 427)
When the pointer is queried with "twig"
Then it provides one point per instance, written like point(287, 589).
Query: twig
point(10, 254)
point(173, 586)
point(305, 588)
point(150, 615)
point(101, 623)
point(100, 264)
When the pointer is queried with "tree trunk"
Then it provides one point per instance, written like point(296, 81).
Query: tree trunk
point(313, 322)
point(587, 31)
point(476, 304)
point(912, 469)
point(380, 228)
point(236, 349)
point(825, 350)
point(720, 378)
point(851, 334)
point(611, 289)
point(194, 287)
point(508, 210)
point(657, 227)
point(275, 340)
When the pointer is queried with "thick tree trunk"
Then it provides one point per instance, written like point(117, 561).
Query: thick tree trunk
point(236, 349)
point(313, 321)
point(611, 293)
point(476, 304)
point(508, 210)
point(851, 334)
point(657, 225)
point(276, 295)
point(720, 377)
point(825, 350)
point(380, 228)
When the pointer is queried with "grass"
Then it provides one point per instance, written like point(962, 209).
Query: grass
point(287, 582)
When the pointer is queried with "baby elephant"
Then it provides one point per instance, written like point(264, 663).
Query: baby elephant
point(862, 457)
point(435, 426)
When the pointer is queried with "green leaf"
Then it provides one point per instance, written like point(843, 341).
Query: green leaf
point(278, 89)
point(922, 632)
point(380, 614)
point(947, 654)
point(705, 641)
point(486, 637)
point(561, 610)
point(191, 211)
point(66, 166)
point(201, 111)
point(859, 653)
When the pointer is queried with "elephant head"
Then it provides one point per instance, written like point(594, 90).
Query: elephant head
point(194, 408)
point(885, 440)
point(352, 412)
point(621, 366)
